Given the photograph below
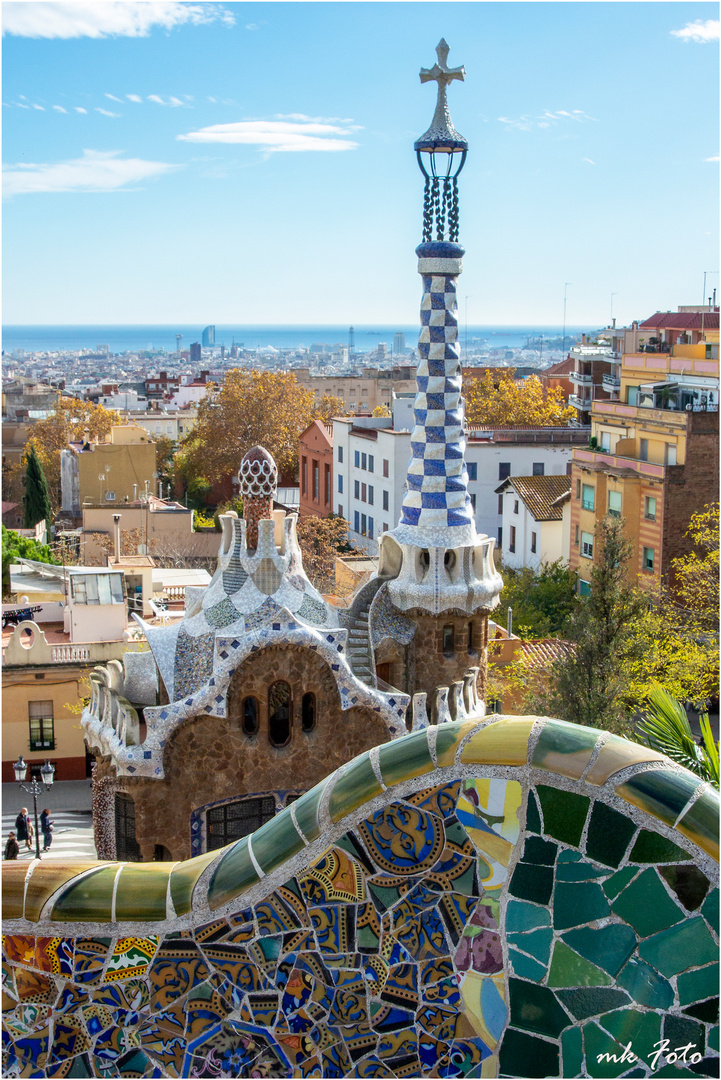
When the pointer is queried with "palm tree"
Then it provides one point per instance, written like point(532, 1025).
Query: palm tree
point(665, 728)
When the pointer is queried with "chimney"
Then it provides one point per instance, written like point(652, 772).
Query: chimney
point(116, 531)
point(135, 492)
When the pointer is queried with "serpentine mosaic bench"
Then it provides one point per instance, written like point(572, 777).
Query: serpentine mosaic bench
point(512, 896)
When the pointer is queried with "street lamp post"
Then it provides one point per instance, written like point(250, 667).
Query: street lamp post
point(47, 773)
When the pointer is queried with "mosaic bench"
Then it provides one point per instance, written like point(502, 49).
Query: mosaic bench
point(506, 897)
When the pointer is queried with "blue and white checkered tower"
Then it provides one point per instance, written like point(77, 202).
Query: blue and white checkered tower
point(435, 557)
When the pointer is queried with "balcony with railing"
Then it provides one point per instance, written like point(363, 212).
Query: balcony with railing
point(611, 382)
point(583, 404)
point(580, 378)
point(606, 461)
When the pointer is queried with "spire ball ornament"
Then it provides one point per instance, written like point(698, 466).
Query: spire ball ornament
point(441, 153)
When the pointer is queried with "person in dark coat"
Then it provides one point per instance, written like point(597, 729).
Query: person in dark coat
point(12, 848)
point(22, 824)
point(46, 828)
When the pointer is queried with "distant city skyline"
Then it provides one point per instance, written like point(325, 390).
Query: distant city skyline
point(237, 163)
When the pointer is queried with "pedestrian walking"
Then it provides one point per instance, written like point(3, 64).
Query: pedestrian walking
point(12, 848)
point(23, 826)
point(46, 828)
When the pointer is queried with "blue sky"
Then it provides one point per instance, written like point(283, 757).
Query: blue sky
point(178, 162)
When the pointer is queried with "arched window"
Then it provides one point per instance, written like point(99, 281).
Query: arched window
point(250, 715)
point(307, 712)
point(126, 846)
point(449, 643)
point(470, 637)
point(279, 713)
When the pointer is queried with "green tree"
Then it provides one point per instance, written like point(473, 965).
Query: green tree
point(321, 539)
point(542, 600)
point(36, 500)
point(16, 547)
point(665, 728)
point(591, 684)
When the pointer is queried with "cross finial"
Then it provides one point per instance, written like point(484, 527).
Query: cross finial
point(441, 133)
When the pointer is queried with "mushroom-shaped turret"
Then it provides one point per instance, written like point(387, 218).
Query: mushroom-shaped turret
point(258, 476)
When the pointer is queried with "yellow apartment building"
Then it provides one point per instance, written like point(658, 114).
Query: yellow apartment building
point(653, 456)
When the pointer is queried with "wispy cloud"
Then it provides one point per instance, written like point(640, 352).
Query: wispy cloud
point(114, 98)
point(106, 112)
point(173, 102)
point(40, 108)
point(548, 119)
point(112, 18)
point(702, 31)
point(294, 133)
point(588, 160)
point(715, 158)
point(80, 109)
point(96, 170)
point(59, 108)
point(135, 97)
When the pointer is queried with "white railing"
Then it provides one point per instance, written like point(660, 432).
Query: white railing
point(69, 654)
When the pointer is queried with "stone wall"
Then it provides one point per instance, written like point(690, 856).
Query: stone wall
point(513, 897)
point(210, 758)
point(430, 667)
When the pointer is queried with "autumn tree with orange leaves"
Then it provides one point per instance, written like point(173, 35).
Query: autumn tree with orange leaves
point(498, 399)
point(251, 408)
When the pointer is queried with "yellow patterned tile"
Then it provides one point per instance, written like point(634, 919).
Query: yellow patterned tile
point(504, 742)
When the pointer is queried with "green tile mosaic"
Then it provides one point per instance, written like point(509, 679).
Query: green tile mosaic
point(605, 1052)
point(645, 985)
point(710, 908)
point(688, 883)
point(680, 1030)
point(618, 881)
point(646, 905)
point(525, 967)
point(539, 851)
point(663, 793)
point(357, 785)
point(707, 1011)
point(713, 1039)
point(651, 847)
point(572, 1052)
point(535, 942)
point(564, 813)
point(608, 946)
point(584, 1002)
point(570, 969)
point(535, 1008)
point(306, 810)
point(276, 841)
point(564, 748)
point(687, 944)
point(46, 879)
point(532, 883)
point(405, 758)
point(571, 866)
point(615, 754)
point(233, 874)
point(89, 899)
point(141, 892)
point(521, 916)
point(698, 985)
point(701, 823)
point(578, 902)
point(184, 877)
point(524, 1055)
point(641, 1029)
point(609, 834)
point(449, 738)
point(533, 815)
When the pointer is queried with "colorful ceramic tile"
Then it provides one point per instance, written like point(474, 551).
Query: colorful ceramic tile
point(306, 810)
point(525, 967)
point(609, 834)
point(535, 942)
point(183, 879)
point(357, 785)
point(651, 847)
point(402, 839)
point(663, 793)
point(532, 883)
point(570, 969)
point(130, 957)
point(522, 1054)
point(88, 898)
point(535, 1008)
point(591, 1001)
point(234, 874)
point(178, 967)
point(710, 908)
point(578, 902)
point(484, 999)
point(645, 985)
point(564, 813)
point(504, 742)
point(522, 916)
point(609, 947)
point(449, 737)
point(688, 944)
point(572, 1052)
point(616, 754)
point(276, 841)
point(405, 758)
point(564, 748)
point(701, 823)
point(618, 881)
point(333, 877)
point(141, 892)
point(488, 811)
point(646, 905)
point(688, 883)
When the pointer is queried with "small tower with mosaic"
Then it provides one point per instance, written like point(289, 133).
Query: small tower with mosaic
point(441, 571)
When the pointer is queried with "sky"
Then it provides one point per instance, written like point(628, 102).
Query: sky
point(230, 162)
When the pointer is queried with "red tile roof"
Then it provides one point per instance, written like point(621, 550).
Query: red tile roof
point(543, 653)
point(541, 495)
point(682, 320)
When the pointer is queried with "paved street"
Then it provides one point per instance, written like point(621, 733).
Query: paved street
point(69, 805)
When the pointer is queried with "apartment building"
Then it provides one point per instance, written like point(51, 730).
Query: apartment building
point(315, 463)
point(654, 450)
point(361, 393)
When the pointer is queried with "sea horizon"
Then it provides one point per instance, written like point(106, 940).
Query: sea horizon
point(157, 337)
